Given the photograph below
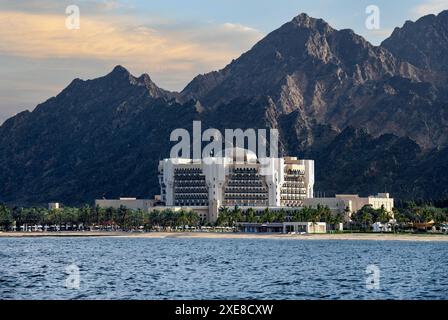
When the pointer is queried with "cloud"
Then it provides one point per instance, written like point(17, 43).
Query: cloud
point(430, 7)
point(52, 6)
point(183, 50)
point(40, 56)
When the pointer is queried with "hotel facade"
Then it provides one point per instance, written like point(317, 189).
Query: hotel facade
point(239, 180)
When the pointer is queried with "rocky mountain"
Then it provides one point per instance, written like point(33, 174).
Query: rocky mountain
point(423, 43)
point(300, 65)
point(96, 138)
point(331, 77)
point(372, 118)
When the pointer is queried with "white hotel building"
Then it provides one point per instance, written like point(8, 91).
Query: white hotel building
point(241, 180)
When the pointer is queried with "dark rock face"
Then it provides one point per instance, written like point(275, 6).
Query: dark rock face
point(329, 77)
point(96, 138)
point(423, 43)
point(371, 117)
point(300, 65)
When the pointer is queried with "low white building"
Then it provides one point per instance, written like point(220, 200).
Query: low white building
point(53, 205)
point(336, 205)
point(130, 203)
point(304, 227)
point(376, 201)
point(351, 203)
point(283, 227)
point(147, 205)
point(381, 227)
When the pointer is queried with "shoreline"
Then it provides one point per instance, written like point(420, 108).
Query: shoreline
point(229, 235)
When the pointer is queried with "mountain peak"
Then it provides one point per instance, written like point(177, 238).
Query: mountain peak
point(305, 21)
point(145, 78)
point(424, 43)
point(153, 89)
point(119, 72)
point(293, 61)
point(302, 18)
point(120, 69)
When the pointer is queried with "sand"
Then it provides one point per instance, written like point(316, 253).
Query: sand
point(230, 235)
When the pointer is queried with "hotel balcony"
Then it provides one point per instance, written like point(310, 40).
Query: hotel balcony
point(245, 184)
point(244, 177)
point(295, 172)
point(199, 189)
point(293, 185)
point(245, 203)
point(294, 178)
point(245, 170)
point(185, 203)
point(189, 177)
point(246, 189)
point(251, 196)
point(292, 203)
point(188, 170)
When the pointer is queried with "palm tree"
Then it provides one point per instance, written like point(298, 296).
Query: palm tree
point(439, 216)
point(235, 216)
point(223, 216)
point(266, 216)
point(6, 220)
point(251, 215)
point(153, 219)
point(85, 215)
point(108, 216)
point(383, 215)
point(137, 218)
point(281, 216)
point(298, 215)
point(193, 218)
point(307, 214)
point(181, 218)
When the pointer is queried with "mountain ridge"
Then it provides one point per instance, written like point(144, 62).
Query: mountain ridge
point(414, 42)
point(368, 117)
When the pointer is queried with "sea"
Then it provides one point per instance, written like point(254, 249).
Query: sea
point(182, 268)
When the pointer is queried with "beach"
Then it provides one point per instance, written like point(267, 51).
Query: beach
point(234, 235)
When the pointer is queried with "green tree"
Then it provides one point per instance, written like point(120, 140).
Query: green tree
point(223, 216)
point(6, 220)
point(236, 215)
point(251, 216)
point(109, 215)
point(86, 215)
point(181, 218)
point(267, 216)
point(365, 216)
point(53, 217)
point(193, 218)
point(121, 217)
point(137, 218)
point(382, 215)
point(280, 216)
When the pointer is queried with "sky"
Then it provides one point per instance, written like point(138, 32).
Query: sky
point(171, 40)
